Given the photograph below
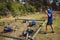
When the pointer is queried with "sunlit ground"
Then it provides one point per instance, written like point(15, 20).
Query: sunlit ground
point(40, 36)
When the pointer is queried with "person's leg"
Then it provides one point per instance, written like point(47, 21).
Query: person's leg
point(46, 28)
point(52, 29)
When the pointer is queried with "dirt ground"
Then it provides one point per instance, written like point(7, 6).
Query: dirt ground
point(23, 26)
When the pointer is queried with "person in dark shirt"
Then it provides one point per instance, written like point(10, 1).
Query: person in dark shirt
point(49, 13)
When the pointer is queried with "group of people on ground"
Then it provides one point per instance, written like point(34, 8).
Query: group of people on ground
point(29, 30)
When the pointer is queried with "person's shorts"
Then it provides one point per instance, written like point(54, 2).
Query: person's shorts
point(27, 32)
point(49, 22)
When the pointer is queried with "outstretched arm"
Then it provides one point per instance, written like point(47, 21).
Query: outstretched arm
point(54, 14)
point(46, 16)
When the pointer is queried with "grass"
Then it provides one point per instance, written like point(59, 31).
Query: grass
point(40, 36)
point(1, 38)
point(57, 25)
point(50, 36)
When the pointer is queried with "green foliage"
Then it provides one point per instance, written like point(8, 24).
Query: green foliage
point(15, 8)
point(0, 17)
point(30, 8)
point(2, 23)
point(36, 3)
point(3, 9)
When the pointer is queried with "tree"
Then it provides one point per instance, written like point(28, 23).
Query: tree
point(3, 9)
point(36, 3)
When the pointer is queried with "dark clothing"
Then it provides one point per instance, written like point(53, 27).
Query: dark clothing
point(50, 18)
point(49, 22)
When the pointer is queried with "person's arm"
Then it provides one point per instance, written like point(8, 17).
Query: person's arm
point(54, 14)
point(47, 13)
point(46, 16)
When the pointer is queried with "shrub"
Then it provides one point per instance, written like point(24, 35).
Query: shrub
point(30, 8)
point(15, 8)
point(3, 9)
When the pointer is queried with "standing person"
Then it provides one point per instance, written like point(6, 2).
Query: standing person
point(49, 13)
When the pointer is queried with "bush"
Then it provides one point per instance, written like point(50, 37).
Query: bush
point(3, 9)
point(30, 8)
point(25, 9)
point(0, 17)
point(15, 8)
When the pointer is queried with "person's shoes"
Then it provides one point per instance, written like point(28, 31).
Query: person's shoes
point(52, 32)
point(45, 32)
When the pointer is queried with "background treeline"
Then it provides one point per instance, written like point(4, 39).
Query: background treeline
point(15, 9)
point(42, 3)
point(31, 6)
